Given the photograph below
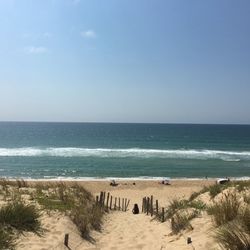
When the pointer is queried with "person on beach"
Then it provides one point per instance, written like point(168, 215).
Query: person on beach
point(135, 209)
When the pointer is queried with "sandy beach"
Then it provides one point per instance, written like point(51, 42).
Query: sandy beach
point(124, 230)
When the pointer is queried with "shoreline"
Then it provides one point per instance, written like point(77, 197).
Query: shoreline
point(104, 179)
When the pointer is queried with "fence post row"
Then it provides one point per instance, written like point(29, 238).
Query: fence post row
point(148, 207)
point(111, 202)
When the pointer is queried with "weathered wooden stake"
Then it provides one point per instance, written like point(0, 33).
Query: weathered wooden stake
point(111, 202)
point(101, 197)
point(127, 206)
point(107, 204)
point(103, 202)
point(119, 203)
point(96, 199)
point(66, 240)
point(115, 203)
point(157, 208)
point(147, 205)
point(162, 216)
point(151, 206)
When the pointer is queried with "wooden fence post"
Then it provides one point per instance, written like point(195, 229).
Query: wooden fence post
point(101, 197)
point(103, 202)
point(115, 203)
point(162, 218)
point(157, 211)
point(96, 199)
point(147, 205)
point(119, 203)
point(111, 202)
point(107, 204)
point(151, 206)
point(66, 240)
point(127, 206)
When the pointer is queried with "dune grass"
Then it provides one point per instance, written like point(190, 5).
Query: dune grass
point(7, 241)
point(225, 210)
point(215, 189)
point(233, 236)
point(231, 216)
point(71, 199)
point(21, 217)
point(75, 201)
point(16, 217)
point(181, 211)
point(180, 221)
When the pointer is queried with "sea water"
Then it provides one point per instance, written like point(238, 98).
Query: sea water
point(103, 150)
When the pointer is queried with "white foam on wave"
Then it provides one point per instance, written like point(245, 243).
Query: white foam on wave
point(129, 152)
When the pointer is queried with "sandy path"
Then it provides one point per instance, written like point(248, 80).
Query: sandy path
point(128, 231)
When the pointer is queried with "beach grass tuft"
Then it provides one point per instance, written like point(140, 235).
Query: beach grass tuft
point(21, 217)
point(7, 241)
point(233, 236)
point(180, 221)
point(75, 201)
point(71, 199)
point(226, 209)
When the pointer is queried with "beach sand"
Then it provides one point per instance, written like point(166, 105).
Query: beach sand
point(124, 230)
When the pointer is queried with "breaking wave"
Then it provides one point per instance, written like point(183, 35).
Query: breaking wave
point(122, 153)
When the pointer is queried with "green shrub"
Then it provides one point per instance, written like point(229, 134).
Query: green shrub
point(225, 210)
point(49, 203)
point(21, 217)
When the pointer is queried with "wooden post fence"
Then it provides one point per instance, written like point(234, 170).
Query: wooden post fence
point(162, 215)
point(156, 207)
point(66, 240)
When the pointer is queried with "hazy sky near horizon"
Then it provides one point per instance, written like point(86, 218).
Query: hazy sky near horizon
point(125, 61)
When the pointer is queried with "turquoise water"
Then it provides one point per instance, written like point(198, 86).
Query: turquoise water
point(100, 150)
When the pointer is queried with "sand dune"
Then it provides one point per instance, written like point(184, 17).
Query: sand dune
point(124, 230)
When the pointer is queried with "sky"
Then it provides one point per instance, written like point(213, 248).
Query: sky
point(166, 61)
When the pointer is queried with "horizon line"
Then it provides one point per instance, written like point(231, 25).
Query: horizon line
point(112, 122)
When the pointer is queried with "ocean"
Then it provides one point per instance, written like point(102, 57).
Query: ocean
point(116, 150)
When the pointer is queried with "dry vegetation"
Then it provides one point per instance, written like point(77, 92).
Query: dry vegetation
point(229, 210)
point(23, 204)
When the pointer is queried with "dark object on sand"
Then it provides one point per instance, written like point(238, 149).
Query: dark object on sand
point(165, 182)
point(133, 183)
point(189, 240)
point(113, 183)
point(223, 181)
point(135, 209)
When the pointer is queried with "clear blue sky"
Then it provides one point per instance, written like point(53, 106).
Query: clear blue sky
point(125, 61)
